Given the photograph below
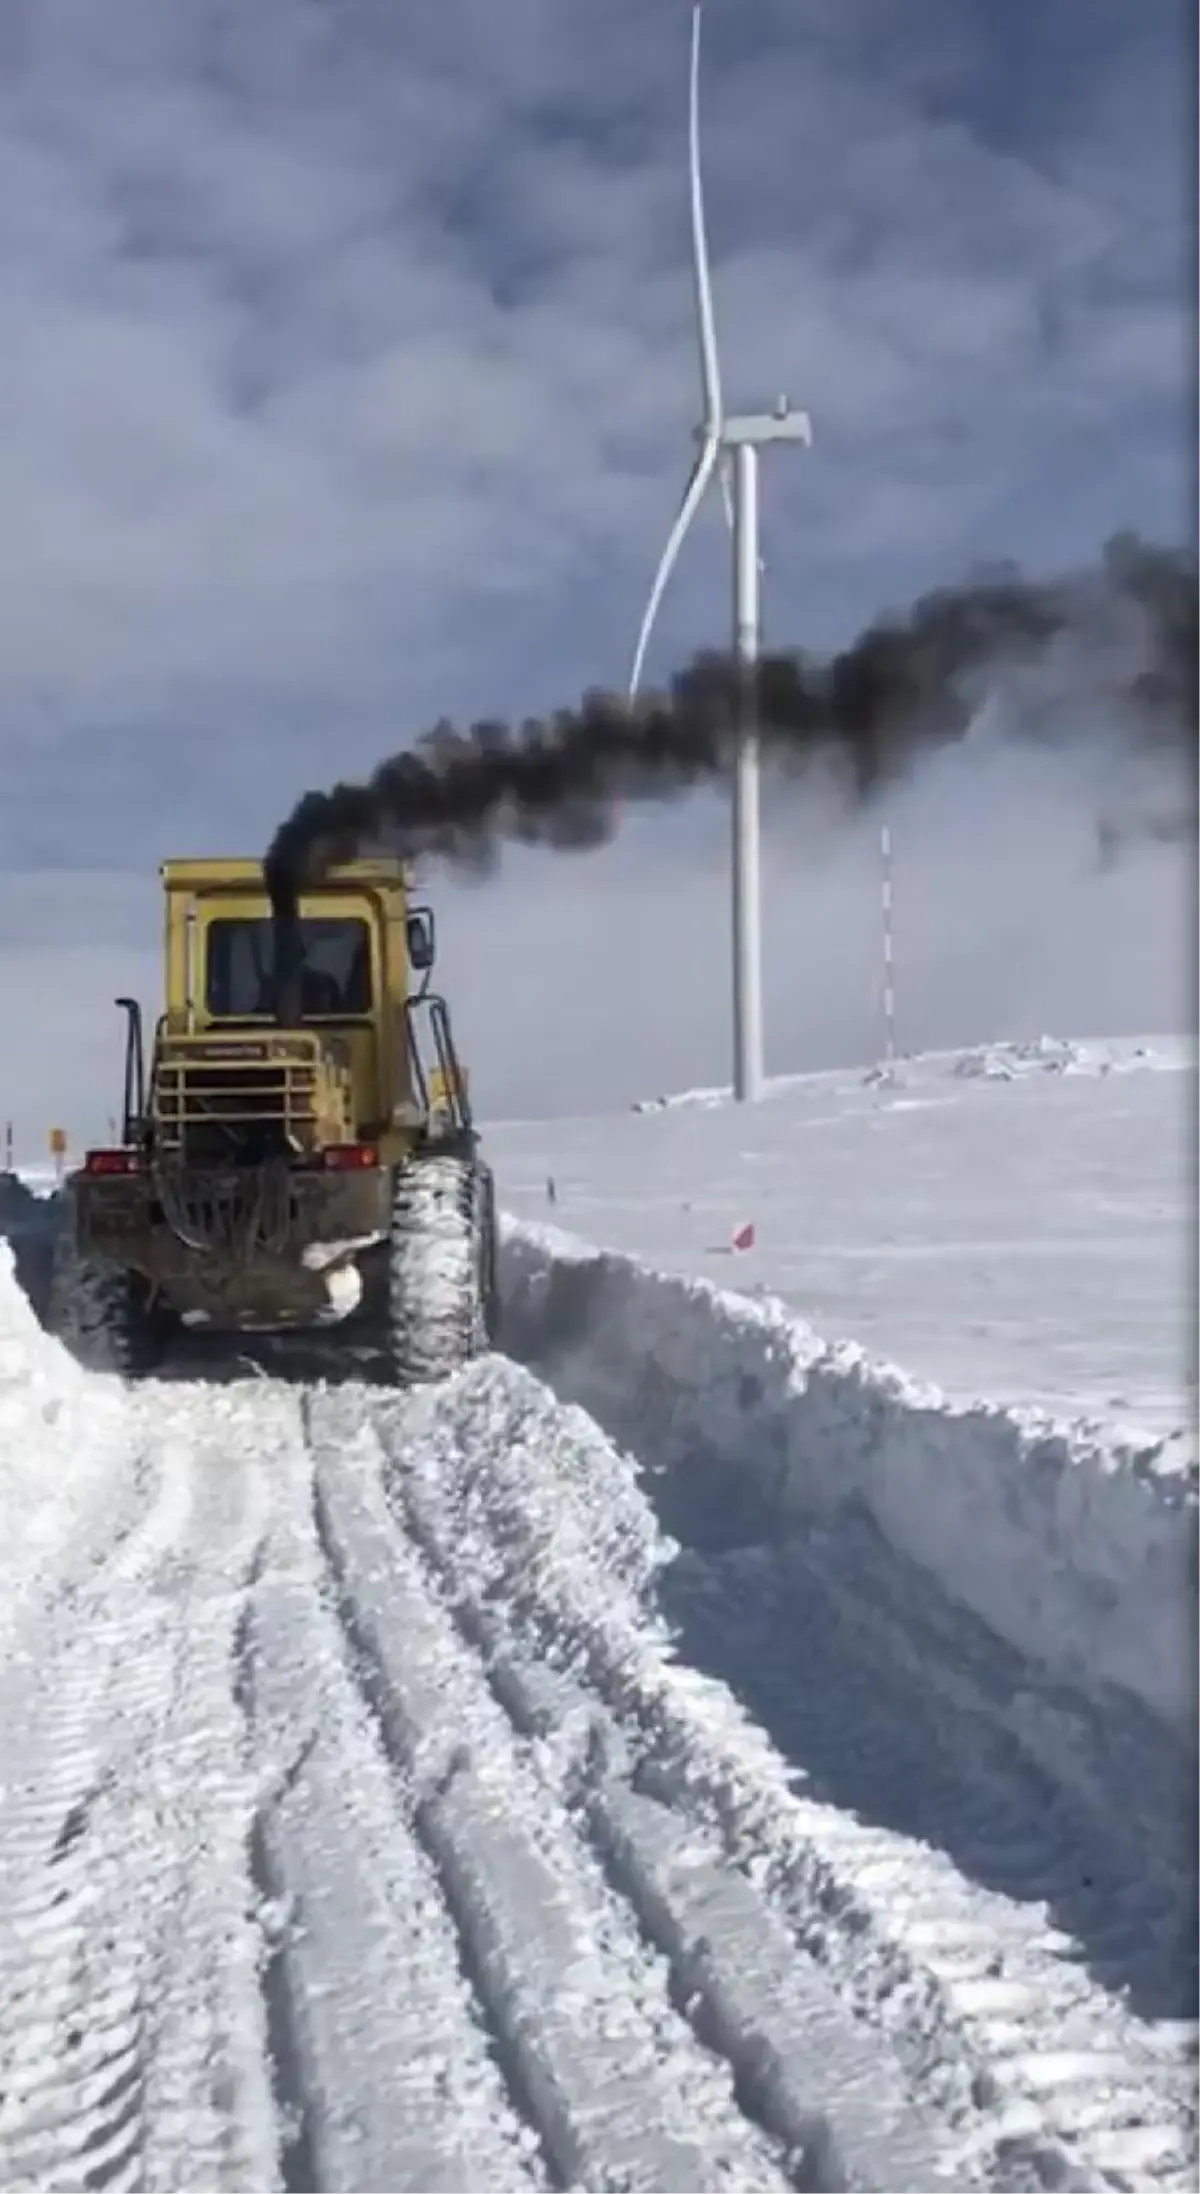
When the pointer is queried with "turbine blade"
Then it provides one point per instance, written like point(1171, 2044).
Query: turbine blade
point(710, 367)
point(693, 496)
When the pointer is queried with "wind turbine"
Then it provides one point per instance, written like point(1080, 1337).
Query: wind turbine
point(729, 445)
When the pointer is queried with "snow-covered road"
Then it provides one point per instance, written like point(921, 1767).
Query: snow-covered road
point(416, 1792)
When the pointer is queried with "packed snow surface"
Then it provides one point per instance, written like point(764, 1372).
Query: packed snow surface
point(678, 1752)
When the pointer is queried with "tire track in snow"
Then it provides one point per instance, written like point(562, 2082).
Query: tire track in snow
point(579, 2008)
point(383, 2073)
point(63, 2058)
point(1047, 2077)
point(129, 2008)
point(740, 2026)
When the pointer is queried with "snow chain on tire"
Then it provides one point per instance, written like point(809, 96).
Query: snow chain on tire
point(442, 1276)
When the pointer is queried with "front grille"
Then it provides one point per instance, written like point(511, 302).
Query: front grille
point(226, 1111)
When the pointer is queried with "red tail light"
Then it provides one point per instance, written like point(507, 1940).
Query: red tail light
point(350, 1157)
point(113, 1161)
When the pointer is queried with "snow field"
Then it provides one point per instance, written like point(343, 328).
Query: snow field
point(1016, 1223)
point(474, 1787)
point(1076, 1548)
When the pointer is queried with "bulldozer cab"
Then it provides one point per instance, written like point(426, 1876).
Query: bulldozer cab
point(363, 1035)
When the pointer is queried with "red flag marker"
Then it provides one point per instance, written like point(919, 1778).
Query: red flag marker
point(744, 1237)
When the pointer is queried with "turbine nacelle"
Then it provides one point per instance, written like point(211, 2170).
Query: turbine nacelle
point(758, 427)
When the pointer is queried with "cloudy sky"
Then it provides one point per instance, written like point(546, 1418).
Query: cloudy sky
point(347, 371)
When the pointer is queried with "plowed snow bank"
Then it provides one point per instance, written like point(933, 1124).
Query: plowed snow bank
point(59, 1434)
point(1073, 1547)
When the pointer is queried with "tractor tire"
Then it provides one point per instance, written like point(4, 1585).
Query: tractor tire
point(137, 1329)
point(442, 1295)
point(105, 1316)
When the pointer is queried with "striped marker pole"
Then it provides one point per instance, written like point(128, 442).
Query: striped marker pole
point(889, 976)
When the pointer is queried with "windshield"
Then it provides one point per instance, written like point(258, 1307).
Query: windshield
point(335, 974)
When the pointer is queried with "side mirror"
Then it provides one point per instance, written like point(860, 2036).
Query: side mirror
point(419, 933)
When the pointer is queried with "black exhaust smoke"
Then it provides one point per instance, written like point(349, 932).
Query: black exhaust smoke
point(1112, 650)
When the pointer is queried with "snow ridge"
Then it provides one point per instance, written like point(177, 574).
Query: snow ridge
point(1008, 1059)
point(55, 1520)
point(1075, 1547)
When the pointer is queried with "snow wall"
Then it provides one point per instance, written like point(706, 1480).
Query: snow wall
point(1075, 1547)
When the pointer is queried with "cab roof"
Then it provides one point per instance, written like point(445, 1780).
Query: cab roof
point(239, 873)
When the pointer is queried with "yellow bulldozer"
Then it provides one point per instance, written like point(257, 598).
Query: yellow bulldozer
point(293, 1156)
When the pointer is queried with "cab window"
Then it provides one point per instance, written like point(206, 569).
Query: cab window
point(335, 970)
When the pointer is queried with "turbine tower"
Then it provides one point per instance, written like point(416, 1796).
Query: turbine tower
point(730, 445)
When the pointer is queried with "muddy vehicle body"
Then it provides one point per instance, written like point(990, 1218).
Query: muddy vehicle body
point(290, 1168)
